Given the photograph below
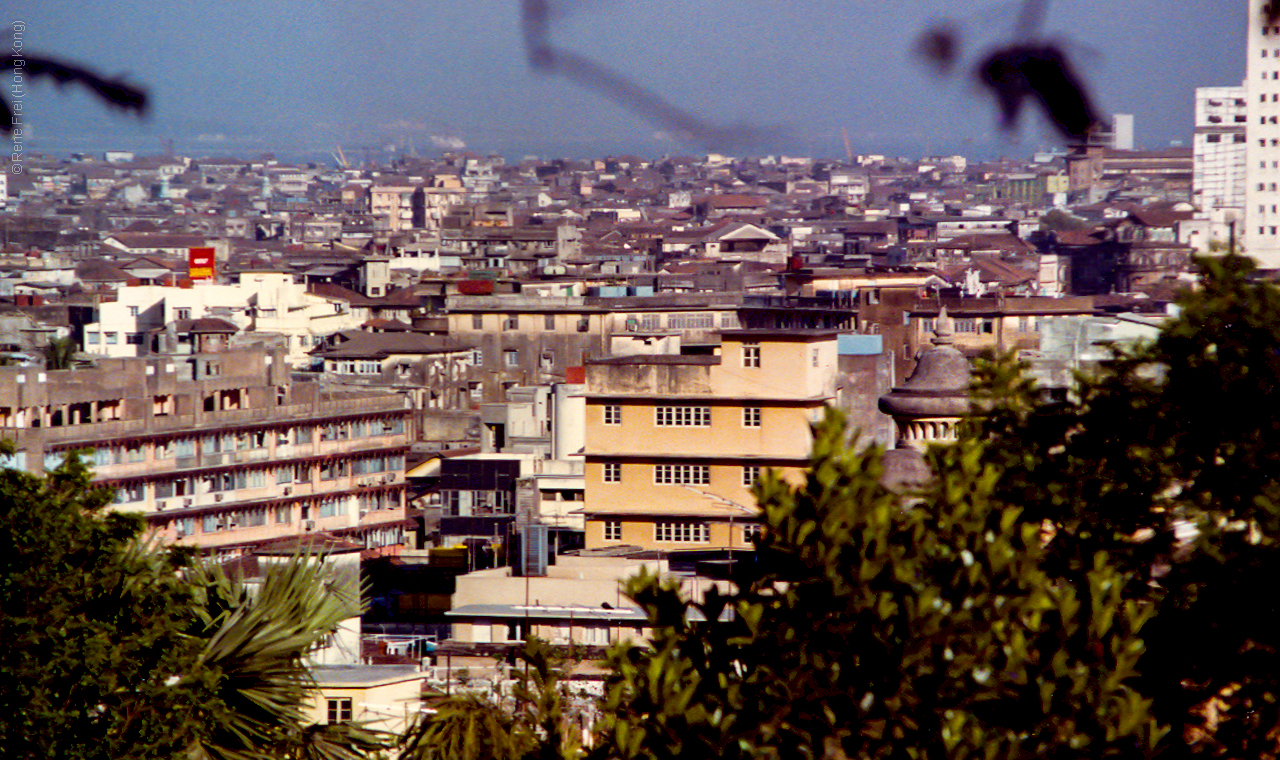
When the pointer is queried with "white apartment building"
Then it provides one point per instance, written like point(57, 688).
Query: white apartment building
point(1262, 159)
point(1219, 147)
point(265, 302)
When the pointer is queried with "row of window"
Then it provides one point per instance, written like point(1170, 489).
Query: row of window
point(681, 474)
point(248, 440)
point(679, 321)
point(683, 416)
point(220, 482)
point(679, 532)
point(254, 517)
point(113, 338)
point(512, 322)
point(682, 532)
point(1218, 138)
point(361, 367)
point(698, 320)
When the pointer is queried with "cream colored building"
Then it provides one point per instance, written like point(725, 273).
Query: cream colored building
point(382, 697)
point(674, 443)
point(578, 602)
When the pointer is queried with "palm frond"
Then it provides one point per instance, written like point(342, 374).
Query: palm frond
point(255, 657)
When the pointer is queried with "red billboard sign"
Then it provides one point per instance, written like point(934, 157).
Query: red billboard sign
point(200, 263)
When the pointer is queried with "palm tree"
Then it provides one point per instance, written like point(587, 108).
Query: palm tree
point(466, 727)
point(252, 672)
point(60, 353)
point(474, 727)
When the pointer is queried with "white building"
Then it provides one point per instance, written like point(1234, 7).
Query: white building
point(1262, 159)
point(1122, 131)
point(264, 302)
point(1218, 179)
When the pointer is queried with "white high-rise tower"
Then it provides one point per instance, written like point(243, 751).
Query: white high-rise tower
point(1219, 148)
point(1262, 157)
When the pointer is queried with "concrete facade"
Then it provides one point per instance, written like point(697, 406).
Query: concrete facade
point(219, 451)
point(1262, 159)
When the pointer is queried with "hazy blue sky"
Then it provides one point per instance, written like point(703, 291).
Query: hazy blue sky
point(304, 76)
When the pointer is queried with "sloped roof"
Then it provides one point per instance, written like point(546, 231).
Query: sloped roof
point(381, 345)
point(205, 325)
point(98, 270)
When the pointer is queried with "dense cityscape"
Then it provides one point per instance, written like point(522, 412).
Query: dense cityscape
point(494, 390)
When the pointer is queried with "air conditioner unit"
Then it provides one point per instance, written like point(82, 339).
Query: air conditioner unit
point(217, 497)
point(309, 525)
point(288, 490)
point(188, 502)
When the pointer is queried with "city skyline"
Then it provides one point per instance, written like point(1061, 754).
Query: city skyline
point(298, 80)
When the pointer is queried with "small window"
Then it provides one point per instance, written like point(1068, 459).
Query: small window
point(751, 355)
point(750, 533)
point(612, 530)
point(512, 322)
point(613, 414)
point(182, 313)
point(612, 472)
point(750, 474)
point(1213, 138)
point(548, 321)
point(339, 710)
point(477, 321)
point(511, 358)
point(133, 311)
point(751, 416)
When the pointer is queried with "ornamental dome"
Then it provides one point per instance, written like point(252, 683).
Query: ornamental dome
point(927, 406)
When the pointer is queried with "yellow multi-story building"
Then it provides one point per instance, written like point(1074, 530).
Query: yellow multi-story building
point(674, 443)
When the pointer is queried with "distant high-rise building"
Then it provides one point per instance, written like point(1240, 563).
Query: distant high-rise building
point(1122, 131)
point(1262, 156)
point(1218, 178)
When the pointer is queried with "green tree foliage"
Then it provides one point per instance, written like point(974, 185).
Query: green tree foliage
point(1170, 441)
point(251, 670)
point(1058, 220)
point(116, 648)
point(871, 630)
point(93, 624)
point(475, 726)
point(60, 353)
point(1078, 581)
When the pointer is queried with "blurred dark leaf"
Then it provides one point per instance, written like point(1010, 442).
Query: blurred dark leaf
point(939, 46)
point(1041, 74)
point(113, 92)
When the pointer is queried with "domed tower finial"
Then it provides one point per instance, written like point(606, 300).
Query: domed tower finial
point(944, 329)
